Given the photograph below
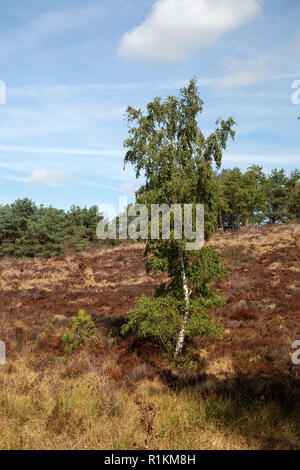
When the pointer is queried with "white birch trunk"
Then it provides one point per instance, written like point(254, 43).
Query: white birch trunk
point(181, 336)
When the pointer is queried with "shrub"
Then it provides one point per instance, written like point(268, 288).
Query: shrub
point(82, 327)
point(160, 320)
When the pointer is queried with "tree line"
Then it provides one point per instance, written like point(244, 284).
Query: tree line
point(256, 198)
point(29, 230)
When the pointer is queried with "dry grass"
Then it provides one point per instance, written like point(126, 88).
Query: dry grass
point(91, 399)
point(90, 411)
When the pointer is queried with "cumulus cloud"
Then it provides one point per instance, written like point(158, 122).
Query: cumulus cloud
point(48, 178)
point(175, 27)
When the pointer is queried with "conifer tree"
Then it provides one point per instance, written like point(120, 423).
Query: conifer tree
point(277, 193)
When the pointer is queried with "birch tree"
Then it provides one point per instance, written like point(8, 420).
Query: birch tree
point(167, 148)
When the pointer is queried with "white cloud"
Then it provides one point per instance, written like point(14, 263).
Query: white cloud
point(62, 150)
point(57, 119)
point(248, 74)
point(265, 160)
point(20, 179)
point(49, 24)
point(48, 178)
point(104, 166)
point(92, 184)
point(175, 27)
point(128, 187)
point(55, 92)
point(65, 91)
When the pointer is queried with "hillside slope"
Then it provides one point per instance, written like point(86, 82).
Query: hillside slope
point(262, 287)
point(100, 395)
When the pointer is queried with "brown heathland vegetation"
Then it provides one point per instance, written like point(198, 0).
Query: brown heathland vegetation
point(241, 391)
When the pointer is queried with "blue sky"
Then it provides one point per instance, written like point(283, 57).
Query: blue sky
point(72, 67)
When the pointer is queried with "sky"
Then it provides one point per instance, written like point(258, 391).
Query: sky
point(70, 68)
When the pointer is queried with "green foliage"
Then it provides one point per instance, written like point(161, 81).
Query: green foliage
point(231, 199)
point(294, 196)
point(282, 196)
point(205, 266)
point(159, 320)
point(166, 145)
point(81, 328)
point(176, 159)
point(277, 194)
point(155, 319)
point(241, 197)
point(45, 234)
point(256, 198)
point(27, 230)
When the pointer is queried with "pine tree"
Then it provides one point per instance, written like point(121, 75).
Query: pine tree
point(277, 194)
point(294, 196)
